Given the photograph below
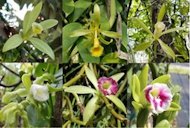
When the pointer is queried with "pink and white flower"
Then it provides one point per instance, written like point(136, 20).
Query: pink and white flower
point(159, 96)
point(107, 85)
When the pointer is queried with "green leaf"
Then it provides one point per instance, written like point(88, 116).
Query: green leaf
point(80, 7)
point(117, 102)
point(68, 6)
point(142, 46)
point(112, 9)
point(161, 13)
point(124, 35)
point(143, 77)
point(135, 88)
point(167, 49)
point(174, 107)
point(43, 47)
point(30, 17)
point(117, 76)
point(90, 109)
point(26, 81)
point(12, 42)
point(137, 105)
point(163, 124)
point(172, 30)
point(111, 58)
point(142, 117)
point(80, 32)
point(139, 23)
point(67, 41)
point(91, 76)
point(79, 89)
point(110, 34)
point(162, 79)
point(48, 23)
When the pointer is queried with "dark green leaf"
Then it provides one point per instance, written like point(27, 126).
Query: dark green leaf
point(111, 58)
point(68, 6)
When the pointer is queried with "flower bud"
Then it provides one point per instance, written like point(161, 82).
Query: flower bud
point(39, 92)
point(159, 26)
point(37, 28)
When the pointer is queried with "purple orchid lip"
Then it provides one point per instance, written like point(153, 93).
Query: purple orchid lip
point(159, 96)
point(107, 85)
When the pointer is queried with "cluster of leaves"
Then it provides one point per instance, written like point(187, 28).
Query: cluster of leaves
point(36, 36)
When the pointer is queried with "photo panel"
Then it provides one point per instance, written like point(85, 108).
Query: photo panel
point(94, 95)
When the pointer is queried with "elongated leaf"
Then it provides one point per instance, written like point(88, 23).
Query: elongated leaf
point(174, 107)
point(12, 42)
point(30, 17)
point(117, 102)
point(26, 80)
point(142, 117)
point(163, 124)
point(139, 23)
point(80, 7)
point(68, 6)
point(162, 79)
point(161, 13)
point(135, 88)
point(110, 34)
point(117, 76)
point(124, 35)
point(80, 32)
point(143, 77)
point(112, 10)
point(167, 49)
point(90, 109)
point(142, 46)
point(91, 76)
point(42, 46)
point(49, 23)
point(79, 89)
point(172, 30)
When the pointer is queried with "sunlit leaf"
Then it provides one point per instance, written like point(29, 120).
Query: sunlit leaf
point(110, 34)
point(90, 109)
point(143, 77)
point(162, 79)
point(43, 47)
point(137, 105)
point(135, 88)
point(111, 58)
point(117, 102)
point(12, 42)
point(142, 46)
point(48, 23)
point(172, 30)
point(80, 32)
point(91, 76)
point(79, 89)
point(117, 76)
point(161, 12)
point(163, 124)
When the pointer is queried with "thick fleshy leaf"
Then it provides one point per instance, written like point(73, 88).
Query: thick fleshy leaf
point(80, 32)
point(31, 16)
point(67, 41)
point(26, 80)
point(124, 35)
point(142, 46)
point(142, 117)
point(91, 76)
point(112, 9)
point(48, 23)
point(79, 89)
point(174, 107)
point(162, 79)
point(90, 109)
point(110, 34)
point(42, 46)
point(163, 124)
point(167, 49)
point(143, 77)
point(117, 102)
point(136, 88)
point(172, 30)
point(13, 42)
point(139, 23)
point(68, 6)
point(117, 76)
point(161, 13)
